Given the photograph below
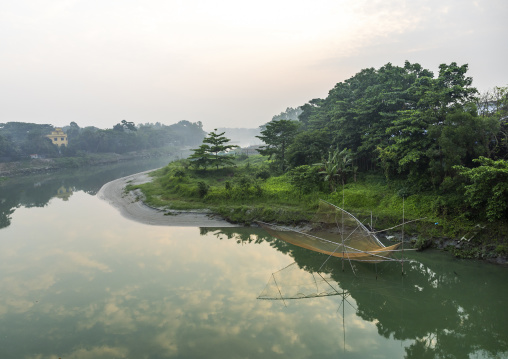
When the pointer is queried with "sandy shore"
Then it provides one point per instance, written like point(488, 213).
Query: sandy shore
point(131, 206)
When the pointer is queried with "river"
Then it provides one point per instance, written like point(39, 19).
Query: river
point(78, 280)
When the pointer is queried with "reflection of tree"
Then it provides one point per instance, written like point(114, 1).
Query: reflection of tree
point(446, 307)
point(36, 191)
point(242, 235)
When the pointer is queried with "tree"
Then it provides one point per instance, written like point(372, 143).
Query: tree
point(37, 142)
point(357, 112)
point(124, 125)
point(289, 114)
point(188, 133)
point(493, 105)
point(213, 151)
point(487, 187)
point(308, 147)
point(278, 135)
point(7, 147)
point(72, 131)
point(201, 157)
point(438, 129)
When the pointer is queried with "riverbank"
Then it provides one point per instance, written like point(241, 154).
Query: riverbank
point(238, 196)
point(131, 205)
point(43, 165)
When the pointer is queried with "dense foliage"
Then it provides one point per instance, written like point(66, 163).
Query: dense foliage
point(418, 129)
point(433, 139)
point(383, 136)
point(278, 135)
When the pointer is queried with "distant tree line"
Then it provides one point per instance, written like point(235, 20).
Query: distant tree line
point(18, 139)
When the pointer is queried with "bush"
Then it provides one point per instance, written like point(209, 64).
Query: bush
point(179, 173)
point(305, 178)
point(263, 174)
point(242, 157)
point(502, 249)
point(203, 189)
point(228, 186)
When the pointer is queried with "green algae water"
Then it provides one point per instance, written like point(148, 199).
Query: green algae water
point(78, 280)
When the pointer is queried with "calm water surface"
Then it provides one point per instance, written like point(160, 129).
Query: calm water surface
point(77, 280)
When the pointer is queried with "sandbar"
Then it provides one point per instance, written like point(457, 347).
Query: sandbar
point(131, 205)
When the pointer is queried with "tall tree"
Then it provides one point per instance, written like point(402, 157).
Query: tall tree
point(278, 135)
point(308, 147)
point(438, 130)
point(493, 105)
point(289, 114)
point(357, 112)
point(213, 151)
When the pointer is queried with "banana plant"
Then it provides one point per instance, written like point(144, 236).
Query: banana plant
point(335, 168)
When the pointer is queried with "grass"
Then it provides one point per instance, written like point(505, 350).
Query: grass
point(241, 194)
point(244, 194)
point(238, 193)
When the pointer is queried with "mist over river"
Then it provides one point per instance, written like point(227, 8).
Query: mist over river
point(79, 280)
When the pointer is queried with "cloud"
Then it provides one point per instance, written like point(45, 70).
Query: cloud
point(216, 62)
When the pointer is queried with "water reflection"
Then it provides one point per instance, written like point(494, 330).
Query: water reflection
point(106, 287)
point(442, 307)
point(38, 190)
point(78, 280)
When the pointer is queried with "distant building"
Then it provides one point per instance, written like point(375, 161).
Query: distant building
point(58, 137)
point(64, 193)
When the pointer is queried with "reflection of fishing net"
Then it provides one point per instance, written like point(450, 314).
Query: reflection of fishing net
point(297, 282)
point(337, 233)
point(292, 282)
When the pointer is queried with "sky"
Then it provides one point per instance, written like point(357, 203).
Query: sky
point(226, 63)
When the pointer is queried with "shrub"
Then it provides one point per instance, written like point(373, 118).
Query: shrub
point(179, 173)
point(263, 174)
point(203, 189)
point(305, 178)
point(242, 157)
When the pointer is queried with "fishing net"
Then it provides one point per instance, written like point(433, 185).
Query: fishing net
point(303, 281)
point(292, 282)
point(337, 233)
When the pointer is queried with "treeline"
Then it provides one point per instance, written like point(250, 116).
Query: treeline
point(423, 132)
point(19, 140)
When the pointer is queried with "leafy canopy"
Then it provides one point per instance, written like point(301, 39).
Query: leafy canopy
point(278, 135)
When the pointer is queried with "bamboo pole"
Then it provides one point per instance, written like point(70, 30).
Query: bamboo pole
point(403, 221)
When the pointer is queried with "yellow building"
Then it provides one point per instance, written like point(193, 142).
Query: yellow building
point(58, 137)
point(64, 193)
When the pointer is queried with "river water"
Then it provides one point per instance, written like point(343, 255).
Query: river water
point(78, 280)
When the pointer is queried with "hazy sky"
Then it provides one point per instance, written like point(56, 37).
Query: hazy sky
point(227, 63)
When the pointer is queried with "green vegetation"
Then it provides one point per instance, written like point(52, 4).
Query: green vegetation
point(243, 194)
point(278, 135)
point(383, 136)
